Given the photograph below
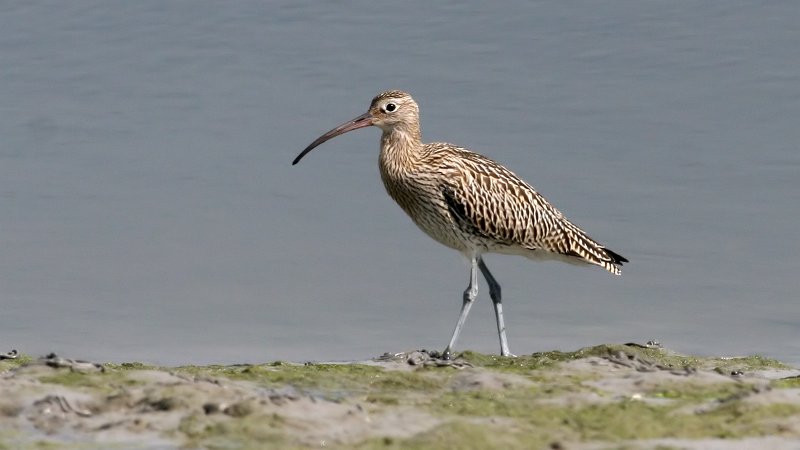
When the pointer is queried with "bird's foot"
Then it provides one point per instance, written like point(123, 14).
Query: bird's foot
point(432, 358)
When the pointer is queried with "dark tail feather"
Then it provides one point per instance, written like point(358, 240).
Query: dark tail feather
point(616, 257)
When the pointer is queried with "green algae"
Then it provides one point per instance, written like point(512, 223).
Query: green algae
point(652, 355)
point(22, 441)
point(106, 381)
point(129, 366)
point(260, 431)
point(20, 360)
point(507, 403)
point(537, 426)
point(688, 391)
point(466, 436)
point(786, 383)
point(335, 379)
point(743, 364)
point(516, 415)
point(543, 360)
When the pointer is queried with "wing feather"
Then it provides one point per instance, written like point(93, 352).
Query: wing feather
point(489, 201)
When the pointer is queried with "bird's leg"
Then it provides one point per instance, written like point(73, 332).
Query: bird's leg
point(494, 292)
point(469, 297)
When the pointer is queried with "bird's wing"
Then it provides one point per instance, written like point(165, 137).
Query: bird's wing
point(488, 200)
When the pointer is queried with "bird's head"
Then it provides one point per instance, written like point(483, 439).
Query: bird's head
point(394, 109)
point(390, 110)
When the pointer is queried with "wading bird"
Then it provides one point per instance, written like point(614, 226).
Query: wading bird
point(468, 202)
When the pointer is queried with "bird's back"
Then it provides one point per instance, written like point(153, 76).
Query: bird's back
point(471, 203)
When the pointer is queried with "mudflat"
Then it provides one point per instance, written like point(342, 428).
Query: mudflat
point(603, 397)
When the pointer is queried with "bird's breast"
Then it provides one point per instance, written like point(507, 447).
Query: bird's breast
point(419, 194)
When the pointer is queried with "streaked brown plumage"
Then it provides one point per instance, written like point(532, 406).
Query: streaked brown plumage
point(469, 202)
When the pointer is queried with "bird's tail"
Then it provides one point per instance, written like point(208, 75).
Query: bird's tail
point(586, 248)
point(616, 262)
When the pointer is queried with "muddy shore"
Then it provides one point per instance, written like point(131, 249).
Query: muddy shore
point(603, 397)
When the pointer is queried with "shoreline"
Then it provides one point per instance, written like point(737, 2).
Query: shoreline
point(606, 396)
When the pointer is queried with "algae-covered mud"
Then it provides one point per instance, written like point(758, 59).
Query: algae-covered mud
point(604, 397)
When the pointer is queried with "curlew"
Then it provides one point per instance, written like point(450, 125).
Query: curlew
point(469, 203)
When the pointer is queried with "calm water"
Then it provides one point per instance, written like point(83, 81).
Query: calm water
point(148, 210)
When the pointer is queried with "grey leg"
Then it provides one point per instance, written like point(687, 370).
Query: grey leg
point(494, 292)
point(469, 297)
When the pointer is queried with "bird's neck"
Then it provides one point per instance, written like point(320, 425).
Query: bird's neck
point(401, 148)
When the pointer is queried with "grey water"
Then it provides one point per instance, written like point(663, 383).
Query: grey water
point(149, 211)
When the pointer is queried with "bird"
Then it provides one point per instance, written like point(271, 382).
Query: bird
point(469, 203)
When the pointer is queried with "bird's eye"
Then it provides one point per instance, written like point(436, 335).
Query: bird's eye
point(390, 107)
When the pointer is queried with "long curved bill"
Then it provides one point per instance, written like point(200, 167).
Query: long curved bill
point(361, 121)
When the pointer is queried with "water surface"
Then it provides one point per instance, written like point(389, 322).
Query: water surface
point(148, 209)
